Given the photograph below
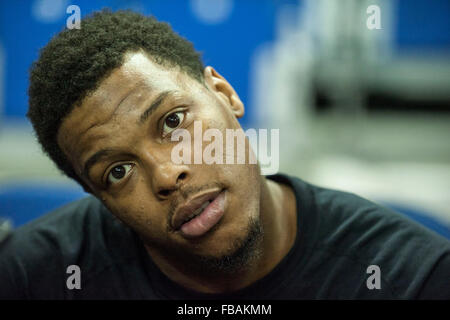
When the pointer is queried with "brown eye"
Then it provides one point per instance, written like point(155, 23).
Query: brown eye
point(118, 173)
point(172, 122)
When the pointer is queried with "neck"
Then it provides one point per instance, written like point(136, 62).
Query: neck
point(278, 219)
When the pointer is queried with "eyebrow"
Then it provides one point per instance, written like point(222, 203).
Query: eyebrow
point(96, 157)
point(105, 153)
point(155, 104)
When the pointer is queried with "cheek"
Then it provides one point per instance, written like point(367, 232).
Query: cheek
point(139, 213)
point(248, 172)
point(215, 111)
point(214, 124)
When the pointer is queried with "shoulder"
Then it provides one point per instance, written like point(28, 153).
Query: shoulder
point(357, 233)
point(347, 218)
point(37, 255)
point(52, 230)
point(410, 257)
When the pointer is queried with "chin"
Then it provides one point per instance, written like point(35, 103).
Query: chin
point(239, 252)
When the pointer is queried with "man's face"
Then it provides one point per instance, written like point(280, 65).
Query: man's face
point(122, 149)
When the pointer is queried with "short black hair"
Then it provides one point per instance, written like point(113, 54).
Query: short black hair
point(75, 61)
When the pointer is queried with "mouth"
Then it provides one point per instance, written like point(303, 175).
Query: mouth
point(200, 214)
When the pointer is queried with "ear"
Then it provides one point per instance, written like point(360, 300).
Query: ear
point(217, 84)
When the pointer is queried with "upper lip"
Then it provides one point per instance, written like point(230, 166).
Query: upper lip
point(184, 210)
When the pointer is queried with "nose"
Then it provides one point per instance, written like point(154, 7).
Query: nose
point(167, 178)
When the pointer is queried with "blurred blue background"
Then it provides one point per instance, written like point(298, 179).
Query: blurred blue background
point(227, 35)
point(369, 109)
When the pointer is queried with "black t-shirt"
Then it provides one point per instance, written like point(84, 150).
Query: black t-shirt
point(341, 237)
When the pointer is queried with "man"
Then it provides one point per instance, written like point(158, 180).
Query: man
point(105, 101)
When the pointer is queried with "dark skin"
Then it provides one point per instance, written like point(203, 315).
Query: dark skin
point(147, 184)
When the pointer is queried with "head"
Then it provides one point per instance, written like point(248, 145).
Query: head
point(104, 101)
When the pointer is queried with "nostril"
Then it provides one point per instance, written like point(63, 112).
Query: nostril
point(182, 176)
point(165, 192)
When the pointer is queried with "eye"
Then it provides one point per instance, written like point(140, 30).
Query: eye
point(118, 173)
point(172, 122)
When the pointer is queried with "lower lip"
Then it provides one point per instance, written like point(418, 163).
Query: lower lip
point(205, 221)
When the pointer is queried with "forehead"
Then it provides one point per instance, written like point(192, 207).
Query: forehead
point(137, 72)
point(137, 79)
